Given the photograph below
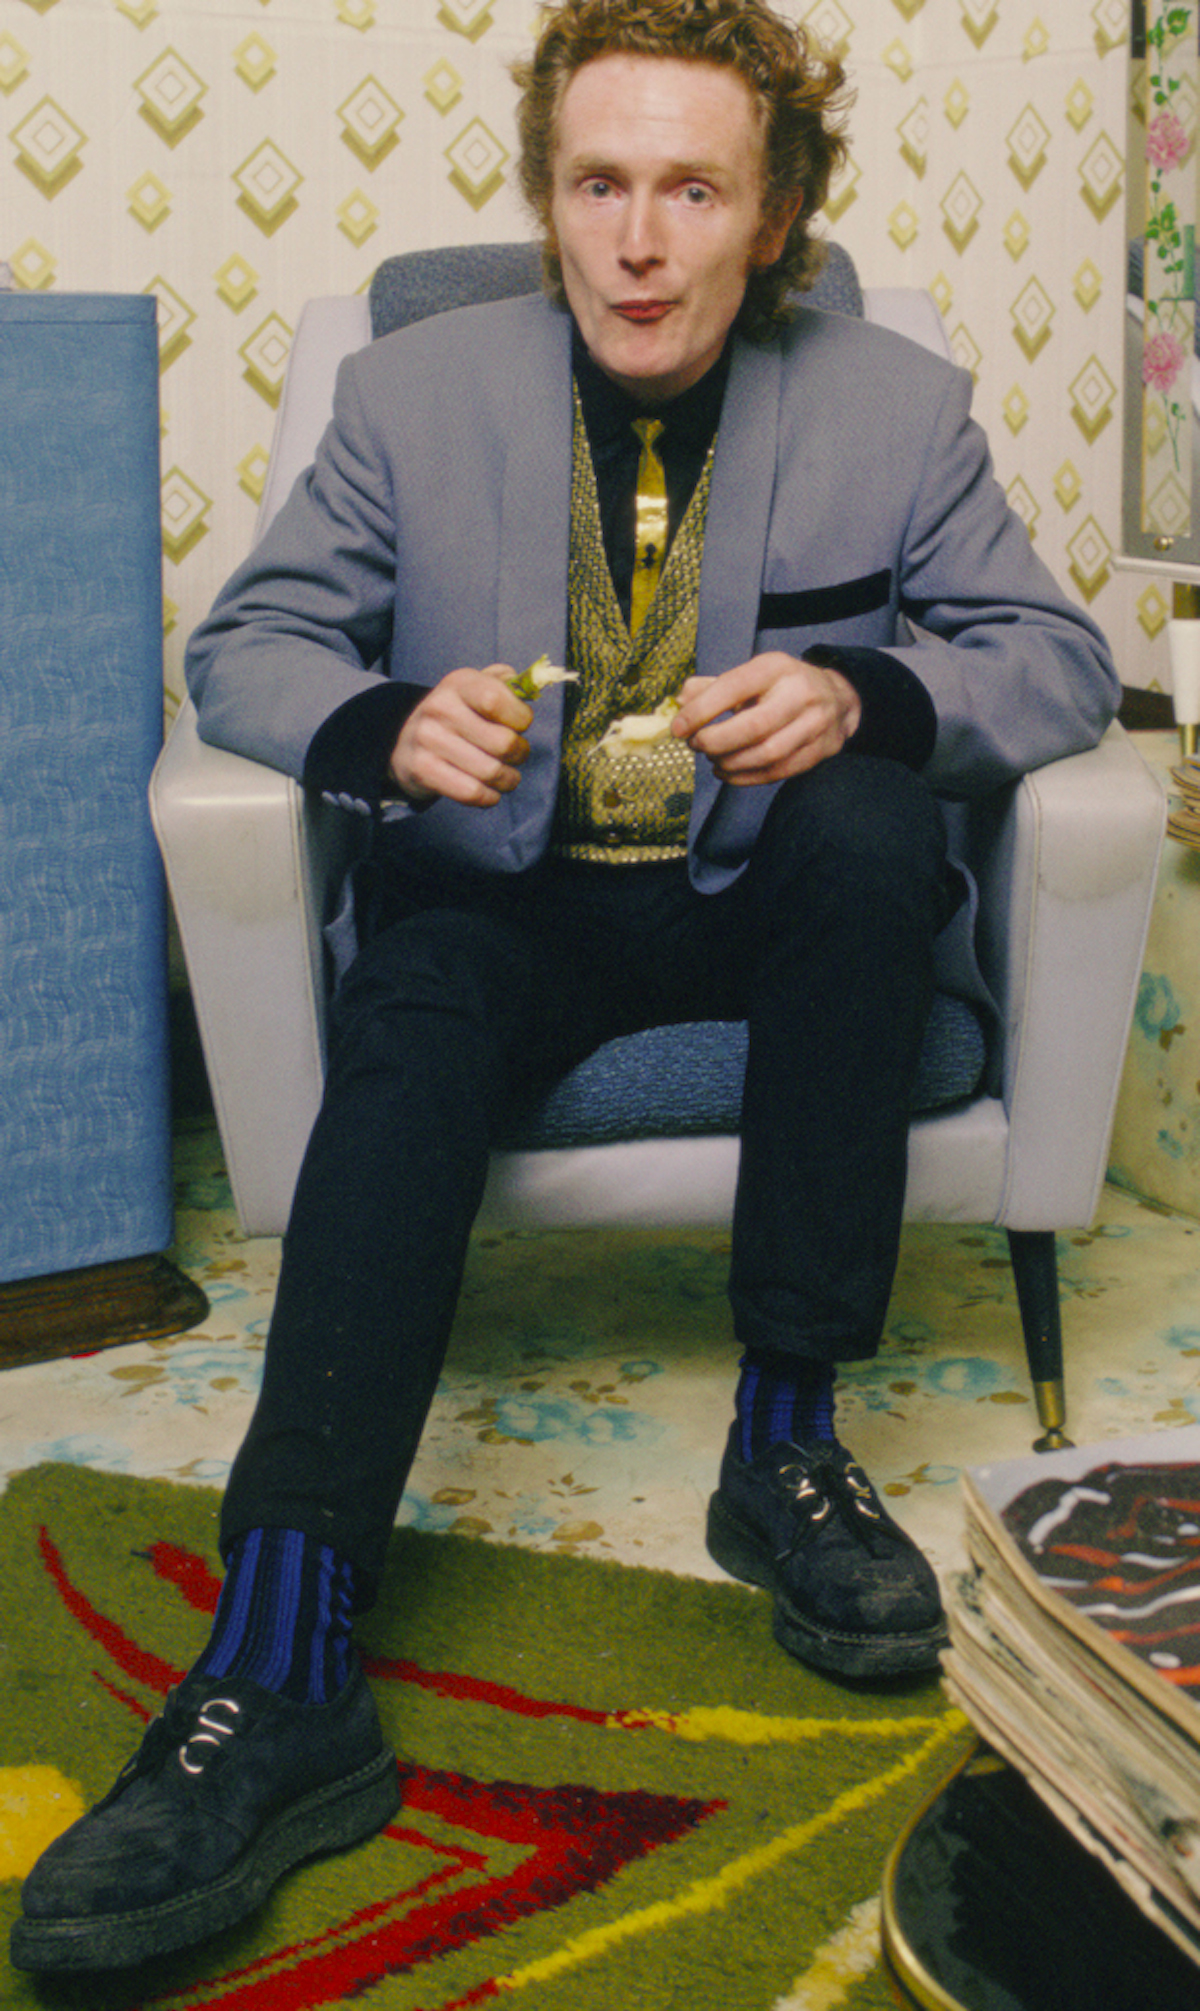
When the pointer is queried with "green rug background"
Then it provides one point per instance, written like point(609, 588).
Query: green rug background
point(817, 1780)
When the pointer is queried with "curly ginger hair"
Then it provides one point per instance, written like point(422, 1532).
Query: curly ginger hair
point(799, 92)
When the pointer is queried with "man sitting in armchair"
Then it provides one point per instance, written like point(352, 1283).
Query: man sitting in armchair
point(792, 607)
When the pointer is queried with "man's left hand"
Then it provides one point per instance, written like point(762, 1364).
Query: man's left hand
point(768, 719)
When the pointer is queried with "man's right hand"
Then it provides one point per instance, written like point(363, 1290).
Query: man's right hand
point(465, 740)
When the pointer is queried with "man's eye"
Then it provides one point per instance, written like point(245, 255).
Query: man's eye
point(696, 193)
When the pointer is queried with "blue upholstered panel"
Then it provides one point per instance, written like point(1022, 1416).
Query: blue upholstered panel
point(686, 1081)
point(84, 1104)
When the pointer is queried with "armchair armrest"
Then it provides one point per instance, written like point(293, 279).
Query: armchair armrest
point(1066, 889)
point(252, 864)
point(1066, 894)
point(329, 328)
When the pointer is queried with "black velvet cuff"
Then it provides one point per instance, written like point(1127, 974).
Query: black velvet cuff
point(899, 719)
point(348, 755)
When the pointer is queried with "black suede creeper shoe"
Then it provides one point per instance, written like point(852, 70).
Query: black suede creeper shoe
point(230, 1788)
point(853, 1594)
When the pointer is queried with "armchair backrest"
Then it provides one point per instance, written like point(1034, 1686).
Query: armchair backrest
point(415, 284)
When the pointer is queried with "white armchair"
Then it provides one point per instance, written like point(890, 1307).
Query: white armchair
point(1066, 862)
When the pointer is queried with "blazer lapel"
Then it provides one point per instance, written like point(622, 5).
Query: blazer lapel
point(739, 510)
point(536, 500)
point(531, 606)
point(735, 543)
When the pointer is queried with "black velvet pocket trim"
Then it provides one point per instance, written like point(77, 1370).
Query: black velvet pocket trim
point(824, 604)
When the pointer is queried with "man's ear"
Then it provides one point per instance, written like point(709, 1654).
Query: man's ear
point(772, 235)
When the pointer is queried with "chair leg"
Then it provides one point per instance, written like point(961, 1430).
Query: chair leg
point(1034, 1256)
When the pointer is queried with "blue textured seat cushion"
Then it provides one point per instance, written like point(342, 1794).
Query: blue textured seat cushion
point(416, 284)
point(686, 1081)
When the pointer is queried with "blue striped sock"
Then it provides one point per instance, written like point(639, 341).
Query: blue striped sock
point(284, 1617)
point(782, 1400)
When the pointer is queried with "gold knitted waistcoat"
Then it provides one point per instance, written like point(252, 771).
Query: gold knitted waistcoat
point(620, 802)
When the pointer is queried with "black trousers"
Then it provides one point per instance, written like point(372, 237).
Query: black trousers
point(471, 983)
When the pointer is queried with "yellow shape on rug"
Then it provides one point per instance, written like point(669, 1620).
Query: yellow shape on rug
point(849, 1954)
point(708, 1894)
point(36, 1805)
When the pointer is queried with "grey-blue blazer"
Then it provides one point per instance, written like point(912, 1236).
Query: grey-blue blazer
point(853, 502)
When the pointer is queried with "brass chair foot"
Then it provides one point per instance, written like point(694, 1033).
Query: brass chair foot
point(1053, 1441)
point(1050, 1398)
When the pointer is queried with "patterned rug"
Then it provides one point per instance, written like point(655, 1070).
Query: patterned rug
point(617, 1790)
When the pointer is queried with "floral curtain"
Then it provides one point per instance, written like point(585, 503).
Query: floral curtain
point(1169, 324)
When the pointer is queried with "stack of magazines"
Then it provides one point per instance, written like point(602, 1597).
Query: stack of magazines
point(1075, 1651)
point(1183, 819)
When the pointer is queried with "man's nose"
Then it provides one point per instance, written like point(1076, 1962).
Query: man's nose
point(641, 244)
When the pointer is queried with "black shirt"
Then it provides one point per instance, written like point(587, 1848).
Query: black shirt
point(689, 428)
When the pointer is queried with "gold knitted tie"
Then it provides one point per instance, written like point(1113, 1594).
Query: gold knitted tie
point(650, 534)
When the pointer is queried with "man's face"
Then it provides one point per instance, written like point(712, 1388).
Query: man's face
point(656, 214)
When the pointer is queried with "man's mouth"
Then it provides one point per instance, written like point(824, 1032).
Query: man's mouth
point(642, 310)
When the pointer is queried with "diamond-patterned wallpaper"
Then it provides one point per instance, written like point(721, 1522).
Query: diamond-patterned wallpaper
point(236, 156)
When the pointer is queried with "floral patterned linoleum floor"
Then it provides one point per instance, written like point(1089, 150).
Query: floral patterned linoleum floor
point(587, 1393)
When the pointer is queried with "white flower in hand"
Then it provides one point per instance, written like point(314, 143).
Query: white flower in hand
point(530, 684)
point(641, 729)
